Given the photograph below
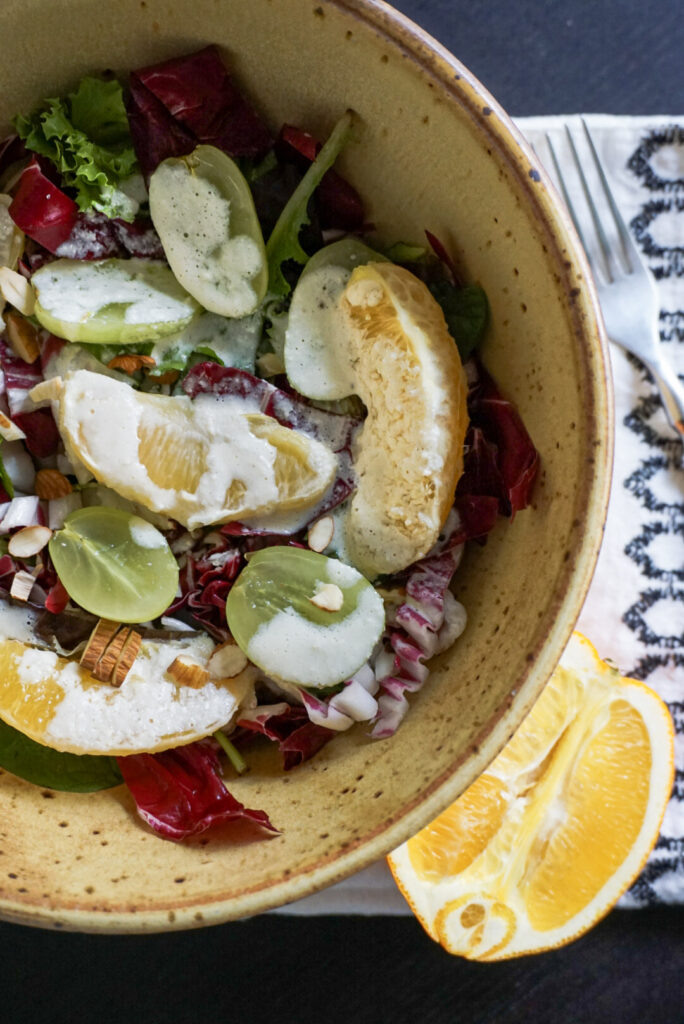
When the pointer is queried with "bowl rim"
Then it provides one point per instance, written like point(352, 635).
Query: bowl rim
point(458, 85)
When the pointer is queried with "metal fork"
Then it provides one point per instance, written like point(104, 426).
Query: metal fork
point(626, 288)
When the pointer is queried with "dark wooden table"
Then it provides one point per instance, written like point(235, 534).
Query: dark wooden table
point(536, 57)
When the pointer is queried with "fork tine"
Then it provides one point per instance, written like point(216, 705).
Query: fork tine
point(623, 231)
point(566, 194)
point(604, 245)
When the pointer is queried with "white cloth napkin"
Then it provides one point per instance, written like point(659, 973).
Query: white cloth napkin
point(634, 613)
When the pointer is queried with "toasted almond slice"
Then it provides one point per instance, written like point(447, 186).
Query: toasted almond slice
point(46, 391)
point(170, 377)
point(9, 431)
point(16, 290)
point(187, 672)
point(105, 666)
point(270, 364)
point(129, 653)
point(227, 661)
point(22, 585)
point(22, 336)
point(329, 597)
point(130, 363)
point(50, 484)
point(321, 534)
point(97, 642)
point(28, 541)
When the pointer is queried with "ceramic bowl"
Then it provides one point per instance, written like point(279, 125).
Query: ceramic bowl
point(435, 151)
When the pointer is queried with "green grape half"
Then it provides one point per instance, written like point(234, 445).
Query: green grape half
point(111, 302)
point(115, 564)
point(273, 616)
point(204, 214)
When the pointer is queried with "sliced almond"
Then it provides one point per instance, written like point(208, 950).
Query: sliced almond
point(329, 597)
point(227, 661)
point(22, 585)
point(170, 377)
point(187, 672)
point(16, 290)
point(28, 541)
point(22, 336)
point(270, 364)
point(321, 534)
point(50, 484)
point(9, 431)
point(46, 391)
point(130, 363)
point(107, 663)
point(129, 653)
point(97, 642)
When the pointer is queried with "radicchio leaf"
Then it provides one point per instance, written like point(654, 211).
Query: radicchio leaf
point(297, 737)
point(180, 793)
point(186, 100)
point(40, 208)
point(501, 460)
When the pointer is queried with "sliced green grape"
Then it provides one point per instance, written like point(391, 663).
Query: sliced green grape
point(316, 358)
point(304, 618)
point(204, 214)
point(113, 301)
point(115, 564)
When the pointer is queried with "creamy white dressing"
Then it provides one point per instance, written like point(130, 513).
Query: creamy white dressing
point(234, 340)
point(75, 292)
point(104, 421)
point(140, 714)
point(193, 219)
point(290, 646)
point(315, 365)
point(145, 535)
point(17, 622)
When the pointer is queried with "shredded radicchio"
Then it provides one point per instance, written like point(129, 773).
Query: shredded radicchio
point(298, 738)
point(180, 792)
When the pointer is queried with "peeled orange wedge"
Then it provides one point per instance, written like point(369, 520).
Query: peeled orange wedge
point(202, 462)
point(58, 703)
point(543, 844)
point(407, 371)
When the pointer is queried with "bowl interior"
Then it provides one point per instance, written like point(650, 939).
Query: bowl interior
point(433, 151)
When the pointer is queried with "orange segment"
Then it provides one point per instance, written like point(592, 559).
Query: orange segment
point(544, 843)
point(57, 702)
point(202, 462)
point(452, 841)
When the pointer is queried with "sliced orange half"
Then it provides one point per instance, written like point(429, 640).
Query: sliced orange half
point(544, 843)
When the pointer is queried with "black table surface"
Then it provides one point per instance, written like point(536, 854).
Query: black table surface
point(536, 57)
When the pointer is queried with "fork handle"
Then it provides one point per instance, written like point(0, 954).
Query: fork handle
point(672, 394)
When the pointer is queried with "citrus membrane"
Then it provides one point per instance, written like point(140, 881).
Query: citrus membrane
point(204, 214)
point(317, 363)
point(114, 564)
point(111, 301)
point(545, 841)
point(204, 461)
point(273, 616)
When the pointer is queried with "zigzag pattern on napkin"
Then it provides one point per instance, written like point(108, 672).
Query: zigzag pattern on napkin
point(655, 617)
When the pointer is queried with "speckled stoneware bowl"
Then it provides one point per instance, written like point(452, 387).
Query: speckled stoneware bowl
point(434, 150)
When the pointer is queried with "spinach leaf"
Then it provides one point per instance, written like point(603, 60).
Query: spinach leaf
point(466, 311)
point(43, 766)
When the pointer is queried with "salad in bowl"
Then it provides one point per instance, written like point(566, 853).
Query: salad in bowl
point(245, 440)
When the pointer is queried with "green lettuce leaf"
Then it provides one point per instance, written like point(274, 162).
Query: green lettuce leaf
point(43, 766)
point(283, 243)
point(86, 136)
